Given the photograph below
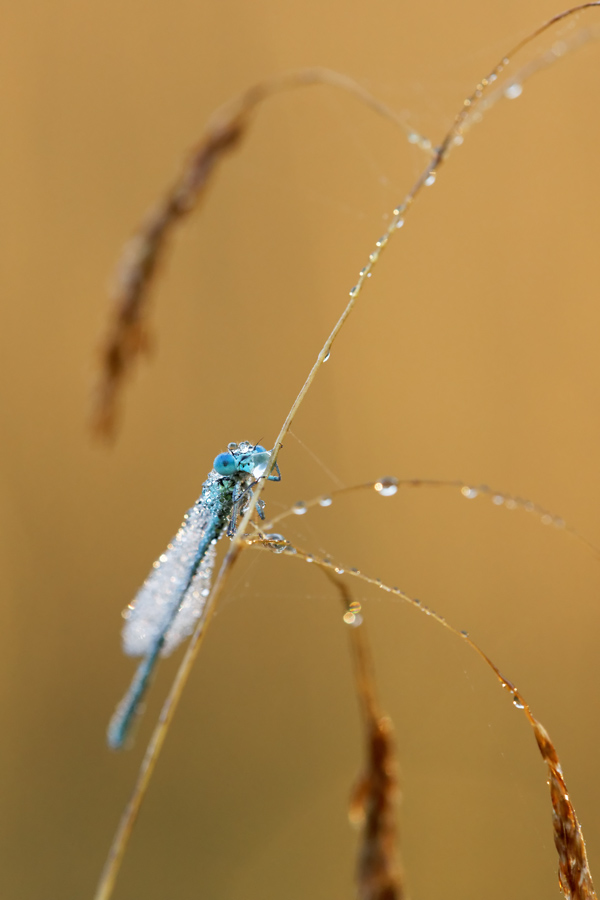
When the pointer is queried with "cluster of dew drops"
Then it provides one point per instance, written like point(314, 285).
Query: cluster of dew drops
point(510, 502)
point(513, 90)
point(388, 487)
point(385, 487)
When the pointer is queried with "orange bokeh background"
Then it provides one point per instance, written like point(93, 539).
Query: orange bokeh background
point(473, 354)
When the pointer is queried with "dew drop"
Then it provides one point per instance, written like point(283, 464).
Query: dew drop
point(277, 542)
point(354, 291)
point(386, 487)
point(400, 223)
point(309, 559)
point(299, 508)
point(465, 634)
point(325, 501)
point(339, 570)
point(511, 503)
point(382, 241)
point(518, 702)
point(558, 522)
point(513, 91)
point(354, 607)
point(546, 519)
point(458, 140)
point(469, 492)
point(498, 499)
point(430, 179)
point(327, 355)
point(413, 138)
point(399, 209)
point(349, 618)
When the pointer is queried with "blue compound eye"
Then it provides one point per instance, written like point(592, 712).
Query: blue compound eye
point(225, 464)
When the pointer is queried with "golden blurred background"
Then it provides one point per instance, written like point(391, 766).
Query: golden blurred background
point(473, 354)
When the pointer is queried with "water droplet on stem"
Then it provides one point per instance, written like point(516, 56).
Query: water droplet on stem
point(386, 487)
point(277, 542)
point(514, 90)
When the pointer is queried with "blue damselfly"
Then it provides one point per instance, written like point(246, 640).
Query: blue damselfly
point(169, 604)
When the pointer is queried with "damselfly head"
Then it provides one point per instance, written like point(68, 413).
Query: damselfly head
point(243, 457)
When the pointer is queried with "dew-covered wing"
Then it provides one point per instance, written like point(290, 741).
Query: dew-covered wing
point(194, 601)
point(154, 609)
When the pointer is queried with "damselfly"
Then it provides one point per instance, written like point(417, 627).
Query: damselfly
point(173, 597)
